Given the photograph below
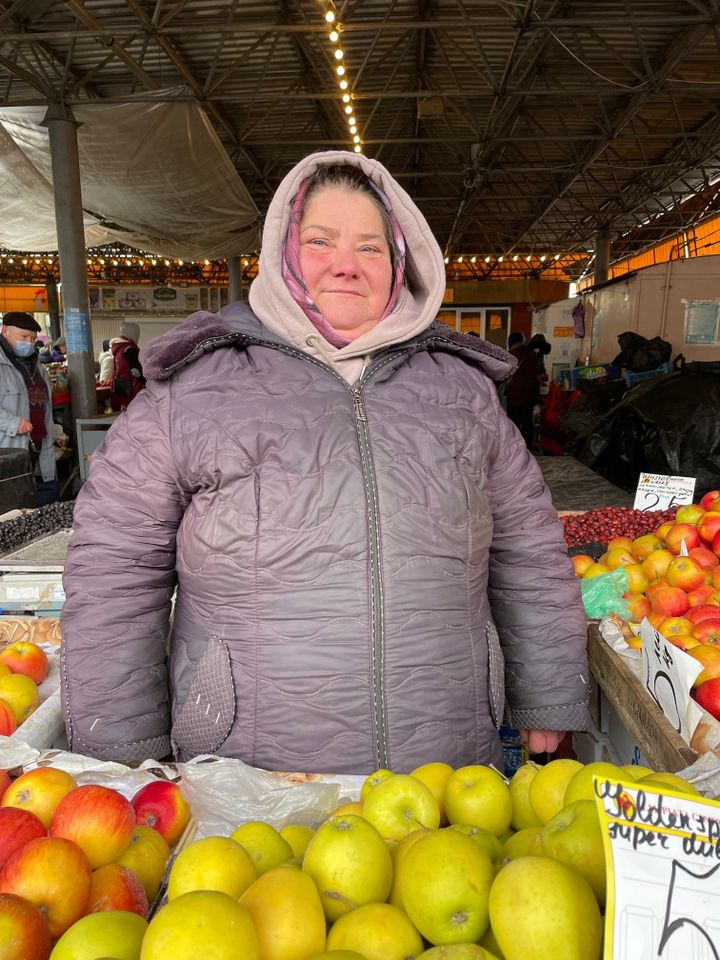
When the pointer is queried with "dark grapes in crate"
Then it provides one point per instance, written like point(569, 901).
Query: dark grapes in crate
point(41, 522)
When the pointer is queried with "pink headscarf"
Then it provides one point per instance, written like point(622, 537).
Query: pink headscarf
point(292, 272)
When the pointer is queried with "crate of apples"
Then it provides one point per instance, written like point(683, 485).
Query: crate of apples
point(679, 594)
point(23, 667)
point(80, 865)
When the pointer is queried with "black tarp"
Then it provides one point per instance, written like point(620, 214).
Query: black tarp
point(668, 425)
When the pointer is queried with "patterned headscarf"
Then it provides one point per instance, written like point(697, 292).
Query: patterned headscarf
point(292, 272)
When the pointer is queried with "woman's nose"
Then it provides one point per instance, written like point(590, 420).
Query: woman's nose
point(344, 263)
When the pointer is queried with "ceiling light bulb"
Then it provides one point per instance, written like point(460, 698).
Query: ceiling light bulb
point(49, 259)
point(339, 54)
point(500, 259)
point(246, 263)
point(356, 139)
point(340, 71)
point(543, 258)
point(87, 261)
point(141, 262)
point(557, 256)
point(207, 263)
point(343, 84)
point(330, 17)
point(459, 259)
point(11, 260)
point(487, 259)
point(334, 36)
point(515, 258)
point(102, 259)
point(115, 263)
point(167, 263)
point(447, 259)
point(346, 98)
point(348, 109)
point(357, 148)
point(180, 262)
point(473, 259)
point(129, 262)
point(528, 258)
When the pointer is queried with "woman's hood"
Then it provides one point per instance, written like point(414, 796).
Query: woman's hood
point(417, 304)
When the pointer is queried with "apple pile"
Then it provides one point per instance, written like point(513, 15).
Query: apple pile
point(80, 864)
point(679, 595)
point(23, 667)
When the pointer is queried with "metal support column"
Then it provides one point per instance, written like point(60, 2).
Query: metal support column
point(62, 131)
point(602, 254)
point(53, 306)
point(235, 287)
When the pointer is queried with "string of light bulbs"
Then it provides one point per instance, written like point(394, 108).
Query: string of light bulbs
point(346, 98)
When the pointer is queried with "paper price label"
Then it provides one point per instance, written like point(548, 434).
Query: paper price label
point(663, 873)
point(668, 674)
point(657, 491)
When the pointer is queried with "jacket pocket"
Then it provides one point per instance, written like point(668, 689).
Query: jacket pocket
point(496, 675)
point(206, 717)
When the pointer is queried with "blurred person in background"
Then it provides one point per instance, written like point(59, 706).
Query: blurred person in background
point(26, 401)
point(126, 372)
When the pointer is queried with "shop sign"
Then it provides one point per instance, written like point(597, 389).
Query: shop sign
point(662, 851)
point(165, 293)
point(563, 332)
point(668, 674)
point(658, 491)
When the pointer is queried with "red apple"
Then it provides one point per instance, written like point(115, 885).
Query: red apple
point(24, 932)
point(715, 578)
point(715, 545)
point(683, 572)
point(676, 625)
point(656, 564)
point(656, 619)
point(704, 558)
point(689, 513)
point(707, 611)
point(99, 820)
point(670, 601)
point(39, 791)
point(638, 606)
point(26, 658)
point(5, 781)
point(709, 526)
point(655, 586)
point(161, 805)
point(54, 874)
point(708, 631)
point(708, 499)
point(624, 542)
point(581, 561)
point(708, 696)
point(17, 827)
point(8, 723)
point(679, 532)
point(643, 546)
point(709, 657)
point(714, 505)
point(698, 597)
point(115, 887)
point(637, 578)
point(662, 530)
point(683, 641)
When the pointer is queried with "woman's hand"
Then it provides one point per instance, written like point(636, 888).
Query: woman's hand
point(541, 741)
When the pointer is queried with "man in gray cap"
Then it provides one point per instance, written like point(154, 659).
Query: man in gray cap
point(26, 419)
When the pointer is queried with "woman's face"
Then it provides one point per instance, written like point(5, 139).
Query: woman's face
point(345, 259)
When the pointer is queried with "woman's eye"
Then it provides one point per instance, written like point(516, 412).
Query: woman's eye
point(317, 242)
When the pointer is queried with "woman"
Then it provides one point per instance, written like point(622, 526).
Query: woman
point(327, 478)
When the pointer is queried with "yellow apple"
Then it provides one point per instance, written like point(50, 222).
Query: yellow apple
point(214, 863)
point(547, 789)
point(399, 805)
point(339, 955)
point(446, 880)
point(487, 841)
point(204, 924)
point(635, 771)
point(457, 951)
point(298, 836)
point(559, 916)
point(352, 806)
point(478, 795)
point(398, 855)
point(285, 908)
point(147, 856)
point(21, 693)
point(574, 837)
point(435, 777)
point(580, 786)
point(350, 864)
point(523, 815)
point(657, 782)
point(263, 844)
point(373, 780)
point(524, 843)
point(379, 930)
point(110, 933)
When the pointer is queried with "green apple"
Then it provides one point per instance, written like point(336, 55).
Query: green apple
point(446, 880)
point(547, 788)
point(457, 951)
point(398, 853)
point(371, 781)
point(263, 844)
point(523, 815)
point(350, 864)
point(114, 933)
point(204, 923)
point(214, 863)
point(524, 843)
point(635, 771)
point(379, 930)
point(574, 837)
point(658, 782)
point(486, 840)
point(399, 805)
point(479, 796)
point(541, 909)
point(580, 786)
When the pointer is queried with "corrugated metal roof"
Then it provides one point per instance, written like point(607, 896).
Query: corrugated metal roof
point(519, 125)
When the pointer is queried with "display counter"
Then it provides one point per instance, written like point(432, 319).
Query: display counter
point(576, 487)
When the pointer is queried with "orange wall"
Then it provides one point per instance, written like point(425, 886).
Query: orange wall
point(31, 299)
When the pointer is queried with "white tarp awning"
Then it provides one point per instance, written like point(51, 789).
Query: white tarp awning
point(154, 175)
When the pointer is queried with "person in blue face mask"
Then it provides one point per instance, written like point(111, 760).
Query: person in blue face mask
point(26, 401)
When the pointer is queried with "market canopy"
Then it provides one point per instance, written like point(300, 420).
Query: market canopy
point(154, 176)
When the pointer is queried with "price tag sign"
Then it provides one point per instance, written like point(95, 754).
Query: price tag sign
point(668, 674)
point(656, 491)
point(663, 873)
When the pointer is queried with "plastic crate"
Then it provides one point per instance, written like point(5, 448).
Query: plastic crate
point(632, 378)
point(596, 371)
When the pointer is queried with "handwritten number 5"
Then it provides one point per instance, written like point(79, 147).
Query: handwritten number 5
point(688, 890)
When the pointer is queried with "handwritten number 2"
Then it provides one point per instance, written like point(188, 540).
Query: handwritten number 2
point(687, 894)
point(651, 506)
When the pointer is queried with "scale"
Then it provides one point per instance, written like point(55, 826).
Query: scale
point(31, 576)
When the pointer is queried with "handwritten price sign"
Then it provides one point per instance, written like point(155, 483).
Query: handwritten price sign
point(663, 867)
point(657, 491)
point(668, 674)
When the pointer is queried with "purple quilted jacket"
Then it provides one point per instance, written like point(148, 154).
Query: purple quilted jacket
point(355, 567)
